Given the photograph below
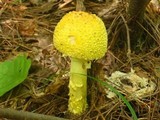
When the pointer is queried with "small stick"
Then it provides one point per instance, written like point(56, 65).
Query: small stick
point(23, 115)
point(80, 5)
point(128, 41)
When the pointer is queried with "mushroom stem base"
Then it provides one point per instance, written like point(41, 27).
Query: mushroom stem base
point(78, 86)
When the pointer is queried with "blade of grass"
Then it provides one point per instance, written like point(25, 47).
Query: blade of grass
point(117, 93)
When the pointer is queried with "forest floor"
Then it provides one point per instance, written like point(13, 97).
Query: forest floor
point(28, 28)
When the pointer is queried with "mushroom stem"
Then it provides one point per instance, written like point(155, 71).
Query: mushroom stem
point(78, 86)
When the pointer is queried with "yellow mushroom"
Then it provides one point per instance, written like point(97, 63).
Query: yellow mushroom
point(83, 37)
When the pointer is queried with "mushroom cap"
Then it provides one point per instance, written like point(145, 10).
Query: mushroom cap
point(81, 35)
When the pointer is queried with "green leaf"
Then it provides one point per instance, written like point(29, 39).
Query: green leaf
point(13, 72)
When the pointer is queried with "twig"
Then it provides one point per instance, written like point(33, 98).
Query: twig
point(23, 115)
point(128, 41)
point(80, 5)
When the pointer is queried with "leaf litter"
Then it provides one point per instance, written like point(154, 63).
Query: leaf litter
point(28, 28)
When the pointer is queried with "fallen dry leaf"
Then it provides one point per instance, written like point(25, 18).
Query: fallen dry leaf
point(27, 27)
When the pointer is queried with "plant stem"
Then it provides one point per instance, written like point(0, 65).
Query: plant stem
point(78, 86)
point(80, 5)
point(137, 8)
point(136, 12)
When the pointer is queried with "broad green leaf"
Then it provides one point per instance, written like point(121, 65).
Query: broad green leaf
point(13, 72)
